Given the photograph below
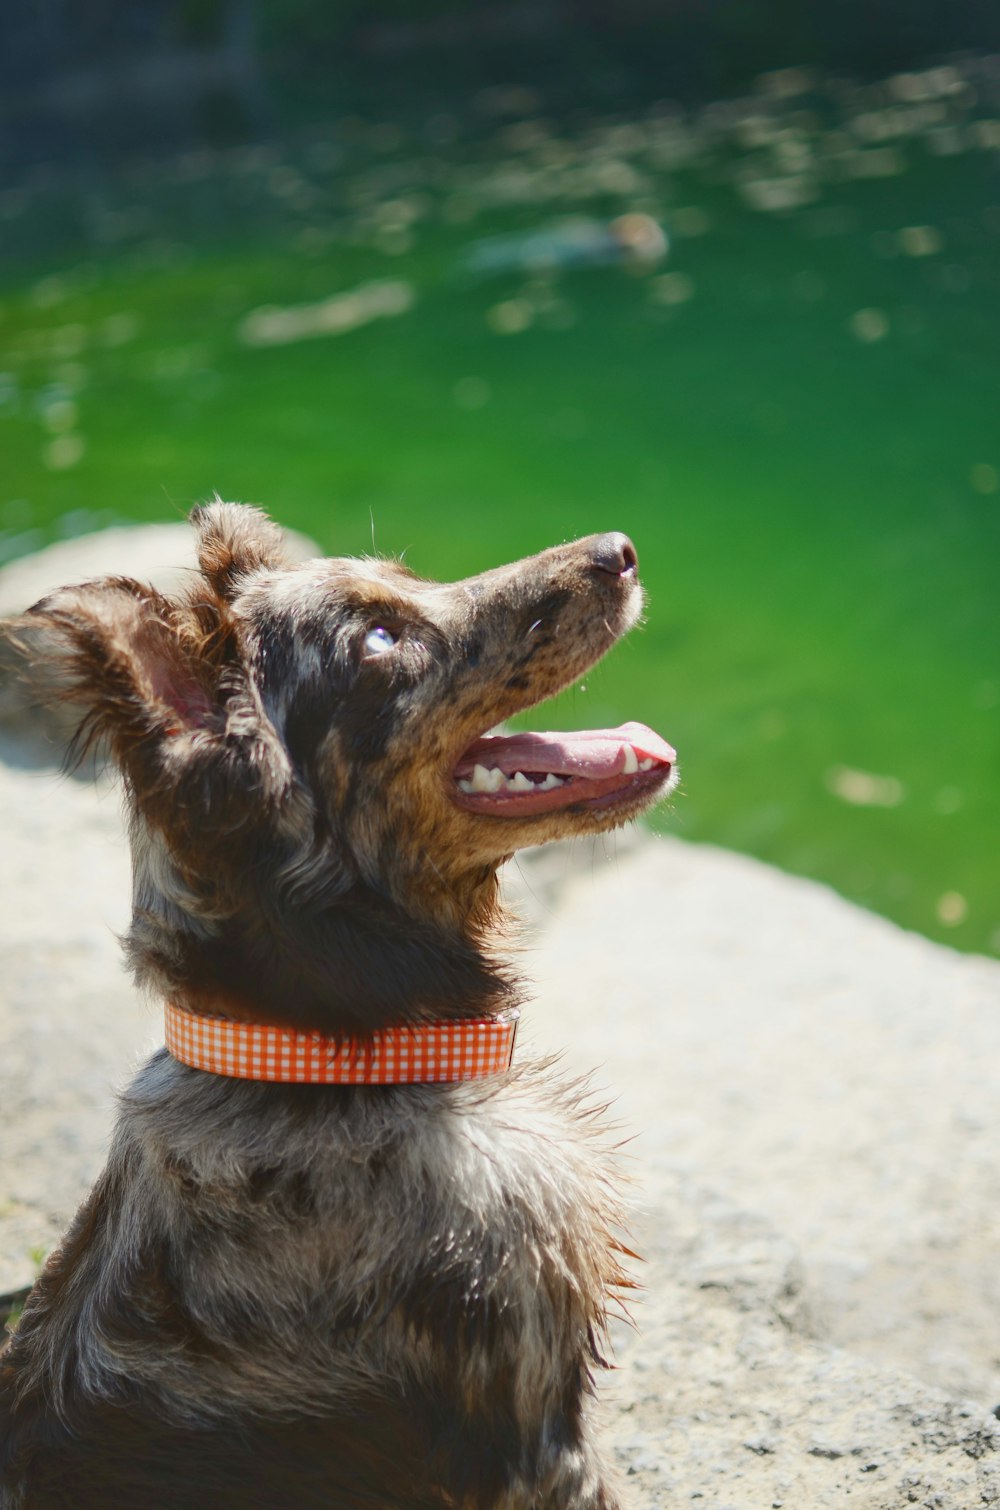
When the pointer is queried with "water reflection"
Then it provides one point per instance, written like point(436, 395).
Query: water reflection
point(737, 313)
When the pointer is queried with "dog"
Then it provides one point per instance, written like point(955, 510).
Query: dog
point(376, 1276)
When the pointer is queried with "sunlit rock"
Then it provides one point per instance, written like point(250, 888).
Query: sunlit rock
point(632, 238)
point(952, 909)
point(984, 478)
point(272, 325)
point(64, 452)
point(510, 317)
point(862, 789)
point(920, 240)
point(775, 194)
point(869, 325)
point(671, 288)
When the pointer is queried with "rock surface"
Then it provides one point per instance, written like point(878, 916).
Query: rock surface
point(817, 1160)
point(816, 1153)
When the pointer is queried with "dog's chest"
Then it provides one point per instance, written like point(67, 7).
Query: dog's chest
point(499, 1188)
point(449, 1239)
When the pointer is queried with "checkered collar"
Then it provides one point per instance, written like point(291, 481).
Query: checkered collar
point(419, 1054)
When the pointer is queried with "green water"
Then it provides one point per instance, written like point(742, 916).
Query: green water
point(799, 430)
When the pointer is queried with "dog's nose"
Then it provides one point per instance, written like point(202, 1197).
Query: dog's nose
point(614, 554)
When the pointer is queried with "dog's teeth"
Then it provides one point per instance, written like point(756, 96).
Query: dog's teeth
point(631, 762)
point(646, 765)
point(484, 780)
point(480, 779)
point(492, 779)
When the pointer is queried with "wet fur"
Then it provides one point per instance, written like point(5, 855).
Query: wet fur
point(389, 1297)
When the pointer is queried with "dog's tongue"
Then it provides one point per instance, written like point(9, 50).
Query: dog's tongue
point(590, 753)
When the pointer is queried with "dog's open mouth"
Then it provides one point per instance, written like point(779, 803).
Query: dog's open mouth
point(515, 774)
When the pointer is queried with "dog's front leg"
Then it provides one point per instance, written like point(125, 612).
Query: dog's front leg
point(582, 1482)
point(496, 1464)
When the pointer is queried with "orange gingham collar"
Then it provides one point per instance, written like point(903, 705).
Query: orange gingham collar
point(418, 1054)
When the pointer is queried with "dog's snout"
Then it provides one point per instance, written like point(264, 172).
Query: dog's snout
point(614, 554)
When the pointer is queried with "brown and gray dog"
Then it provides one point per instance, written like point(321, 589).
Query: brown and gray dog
point(283, 1296)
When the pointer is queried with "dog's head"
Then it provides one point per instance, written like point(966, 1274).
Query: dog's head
point(318, 810)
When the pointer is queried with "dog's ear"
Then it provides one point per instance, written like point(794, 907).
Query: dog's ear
point(113, 648)
point(162, 686)
point(234, 541)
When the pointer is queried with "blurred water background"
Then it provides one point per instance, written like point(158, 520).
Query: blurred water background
point(460, 281)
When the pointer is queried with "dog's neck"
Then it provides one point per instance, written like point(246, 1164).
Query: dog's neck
point(352, 968)
point(468, 903)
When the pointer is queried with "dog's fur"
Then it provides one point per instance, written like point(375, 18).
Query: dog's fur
point(294, 1296)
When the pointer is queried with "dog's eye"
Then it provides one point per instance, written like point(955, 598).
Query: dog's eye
point(378, 641)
